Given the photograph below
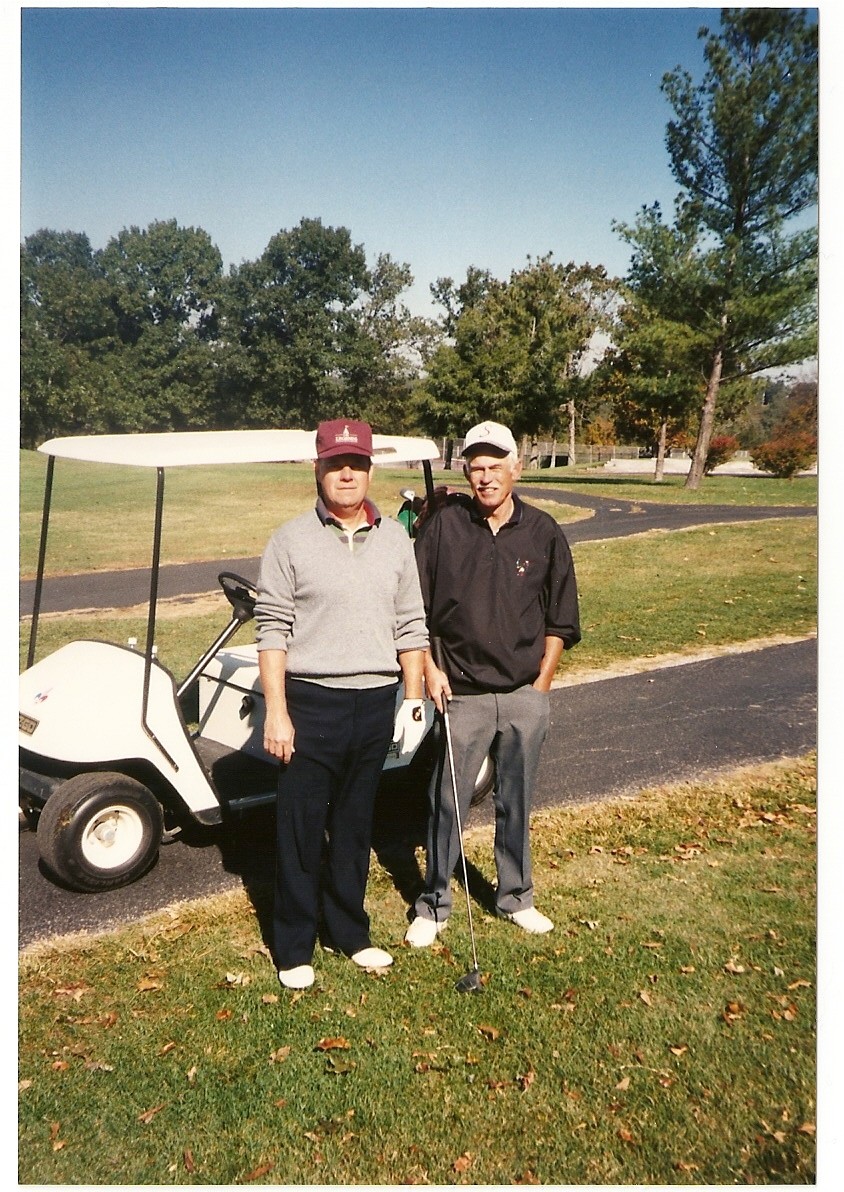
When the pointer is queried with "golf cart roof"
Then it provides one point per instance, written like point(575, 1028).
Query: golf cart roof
point(194, 448)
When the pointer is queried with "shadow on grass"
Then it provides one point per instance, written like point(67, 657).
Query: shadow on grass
point(248, 849)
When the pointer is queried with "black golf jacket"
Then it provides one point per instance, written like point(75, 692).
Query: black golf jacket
point(493, 598)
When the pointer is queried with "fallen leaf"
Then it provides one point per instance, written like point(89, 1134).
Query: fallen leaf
point(23, 1085)
point(149, 985)
point(259, 1171)
point(489, 1032)
point(463, 1163)
point(167, 1048)
point(678, 1050)
point(807, 1128)
point(623, 1085)
point(681, 1165)
point(625, 1135)
point(223, 1015)
point(187, 1157)
point(733, 966)
point(337, 1043)
point(191, 1074)
point(687, 968)
point(148, 1114)
point(527, 1177)
point(801, 984)
point(269, 999)
point(524, 1082)
point(645, 997)
point(278, 1057)
point(76, 990)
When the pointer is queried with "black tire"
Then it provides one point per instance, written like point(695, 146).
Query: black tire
point(100, 831)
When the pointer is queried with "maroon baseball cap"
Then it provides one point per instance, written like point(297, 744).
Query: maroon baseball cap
point(342, 436)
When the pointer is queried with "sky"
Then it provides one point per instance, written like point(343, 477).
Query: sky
point(446, 137)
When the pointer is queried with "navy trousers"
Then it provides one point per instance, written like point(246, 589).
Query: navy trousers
point(326, 796)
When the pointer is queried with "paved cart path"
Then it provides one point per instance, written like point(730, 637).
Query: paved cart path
point(610, 519)
point(606, 738)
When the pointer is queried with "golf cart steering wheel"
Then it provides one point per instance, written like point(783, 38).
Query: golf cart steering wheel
point(241, 594)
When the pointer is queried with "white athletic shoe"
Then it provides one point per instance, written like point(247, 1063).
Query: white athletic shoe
point(423, 931)
point(301, 977)
point(372, 958)
point(531, 920)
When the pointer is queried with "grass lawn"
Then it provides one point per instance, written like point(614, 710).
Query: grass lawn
point(662, 1034)
point(647, 595)
point(102, 515)
point(714, 490)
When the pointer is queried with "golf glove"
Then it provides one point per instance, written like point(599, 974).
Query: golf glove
point(409, 728)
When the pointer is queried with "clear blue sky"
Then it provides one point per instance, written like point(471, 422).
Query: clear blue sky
point(447, 137)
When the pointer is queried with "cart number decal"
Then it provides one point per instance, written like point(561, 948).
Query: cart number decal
point(27, 724)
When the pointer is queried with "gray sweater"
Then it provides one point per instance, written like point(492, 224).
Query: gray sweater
point(342, 616)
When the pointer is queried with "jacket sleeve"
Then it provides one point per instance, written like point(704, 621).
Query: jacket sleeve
point(274, 608)
point(562, 616)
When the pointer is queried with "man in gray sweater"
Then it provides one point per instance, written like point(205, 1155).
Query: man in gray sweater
point(339, 618)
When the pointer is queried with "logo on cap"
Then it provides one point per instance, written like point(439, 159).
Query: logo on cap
point(346, 437)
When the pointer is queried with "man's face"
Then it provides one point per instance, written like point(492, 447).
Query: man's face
point(344, 482)
point(491, 478)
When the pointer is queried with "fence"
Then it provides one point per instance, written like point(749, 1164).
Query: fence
point(545, 453)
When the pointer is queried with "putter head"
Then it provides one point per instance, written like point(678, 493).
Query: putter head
point(471, 983)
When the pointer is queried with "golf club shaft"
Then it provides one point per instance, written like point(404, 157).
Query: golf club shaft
point(450, 753)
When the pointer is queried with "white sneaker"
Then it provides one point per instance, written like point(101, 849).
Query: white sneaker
point(531, 920)
point(300, 977)
point(423, 931)
point(371, 958)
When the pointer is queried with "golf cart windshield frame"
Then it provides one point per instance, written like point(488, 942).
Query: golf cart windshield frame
point(159, 451)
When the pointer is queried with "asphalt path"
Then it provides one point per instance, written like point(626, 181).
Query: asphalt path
point(607, 738)
point(610, 519)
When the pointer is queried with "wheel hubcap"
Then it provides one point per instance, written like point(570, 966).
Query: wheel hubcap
point(112, 837)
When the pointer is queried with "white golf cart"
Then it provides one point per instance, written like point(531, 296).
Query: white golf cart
point(108, 765)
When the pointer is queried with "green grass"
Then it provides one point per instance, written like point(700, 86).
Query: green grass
point(714, 490)
point(652, 594)
point(662, 1034)
point(711, 586)
point(102, 514)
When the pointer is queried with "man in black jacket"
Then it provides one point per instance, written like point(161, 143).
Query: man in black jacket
point(500, 594)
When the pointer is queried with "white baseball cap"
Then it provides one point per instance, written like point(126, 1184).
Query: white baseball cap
point(490, 434)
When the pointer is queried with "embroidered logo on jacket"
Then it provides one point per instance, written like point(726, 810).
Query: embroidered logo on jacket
point(522, 565)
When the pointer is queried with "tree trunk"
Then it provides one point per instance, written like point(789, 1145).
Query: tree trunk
point(449, 452)
point(553, 453)
point(660, 451)
point(572, 412)
point(707, 421)
point(534, 453)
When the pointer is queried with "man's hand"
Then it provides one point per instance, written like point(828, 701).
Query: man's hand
point(278, 736)
point(437, 684)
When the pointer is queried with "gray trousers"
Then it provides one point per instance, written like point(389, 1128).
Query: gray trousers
point(512, 728)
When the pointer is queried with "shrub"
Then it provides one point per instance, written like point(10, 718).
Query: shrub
point(721, 448)
point(786, 454)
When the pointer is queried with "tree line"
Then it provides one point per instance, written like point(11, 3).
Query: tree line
point(150, 333)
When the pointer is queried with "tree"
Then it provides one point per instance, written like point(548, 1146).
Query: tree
point(743, 147)
point(163, 274)
point(290, 329)
point(515, 350)
point(66, 321)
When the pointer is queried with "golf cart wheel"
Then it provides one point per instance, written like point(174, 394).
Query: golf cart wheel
point(484, 783)
point(99, 831)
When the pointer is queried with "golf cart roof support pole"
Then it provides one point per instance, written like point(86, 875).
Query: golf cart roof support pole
point(429, 482)
point(153, 602)
point(42, 555)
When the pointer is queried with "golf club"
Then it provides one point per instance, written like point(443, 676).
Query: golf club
point(471, 982)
